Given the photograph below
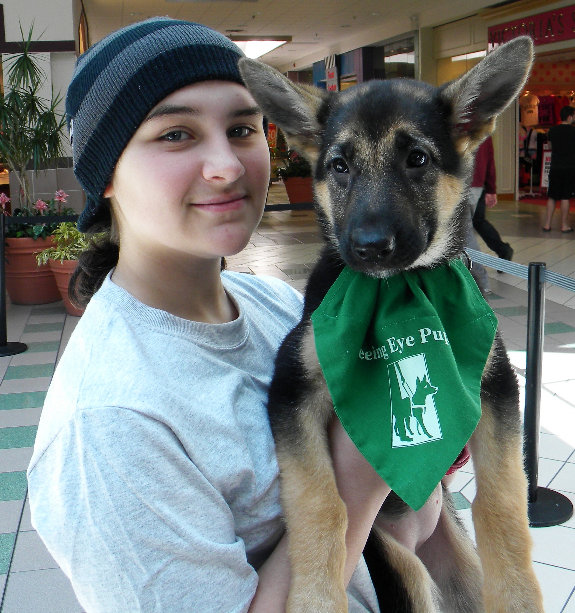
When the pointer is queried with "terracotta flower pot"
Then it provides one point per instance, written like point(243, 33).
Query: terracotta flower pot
point(299, 189)
point(62, 272)
point(26, 281)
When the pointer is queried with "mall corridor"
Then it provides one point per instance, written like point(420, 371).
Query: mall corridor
point(285, 245)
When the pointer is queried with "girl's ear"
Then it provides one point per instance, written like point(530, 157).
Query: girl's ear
point(109, 191)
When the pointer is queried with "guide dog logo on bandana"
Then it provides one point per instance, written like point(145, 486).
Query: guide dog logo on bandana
point(402, 373)
point(413, 413)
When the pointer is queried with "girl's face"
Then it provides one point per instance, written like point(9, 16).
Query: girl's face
point(194, 177)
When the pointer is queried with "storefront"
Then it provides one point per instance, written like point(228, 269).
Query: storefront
point(551, 86)
point(520, 137)
point(396, 57)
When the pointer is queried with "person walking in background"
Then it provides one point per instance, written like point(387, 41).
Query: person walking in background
point(482, 194)
point(562, 169)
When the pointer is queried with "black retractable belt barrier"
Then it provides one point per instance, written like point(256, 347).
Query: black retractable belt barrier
point(545, 506)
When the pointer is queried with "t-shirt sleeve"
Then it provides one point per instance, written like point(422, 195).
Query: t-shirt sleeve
point(133, 522)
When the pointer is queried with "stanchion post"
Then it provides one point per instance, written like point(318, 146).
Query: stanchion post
point(533, 368)
point(545, 507)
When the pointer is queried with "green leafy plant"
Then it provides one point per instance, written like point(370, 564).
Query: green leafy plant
point(295, 165)
point(30, 127)
point(41, 208)
point(69, 242)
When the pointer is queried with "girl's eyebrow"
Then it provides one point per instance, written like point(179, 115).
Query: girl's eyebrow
point(171, 109)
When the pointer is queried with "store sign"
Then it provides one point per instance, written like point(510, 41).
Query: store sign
point(272, 135)
point(331, 76)
point(543, 28)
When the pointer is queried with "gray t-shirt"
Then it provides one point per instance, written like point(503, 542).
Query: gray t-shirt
point(154, 481)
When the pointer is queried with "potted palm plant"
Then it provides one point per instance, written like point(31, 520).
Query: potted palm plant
point(30, 137)
point(62, 258)
point(32, 129)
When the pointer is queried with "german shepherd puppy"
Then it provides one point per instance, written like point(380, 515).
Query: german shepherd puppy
point(391, 163)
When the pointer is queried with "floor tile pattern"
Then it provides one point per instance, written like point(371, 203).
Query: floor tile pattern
point(285, 246)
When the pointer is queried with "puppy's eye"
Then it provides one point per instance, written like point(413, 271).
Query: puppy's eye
point(417, 159)
point(339, 165)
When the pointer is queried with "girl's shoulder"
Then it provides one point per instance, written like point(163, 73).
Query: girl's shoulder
point(263, 291)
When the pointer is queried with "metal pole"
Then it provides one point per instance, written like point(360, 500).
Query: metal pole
point(535, 322)
point(545, 507)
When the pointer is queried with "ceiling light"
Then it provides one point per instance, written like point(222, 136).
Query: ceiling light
point(469, 56)
point(400, 58)
point(255, 47)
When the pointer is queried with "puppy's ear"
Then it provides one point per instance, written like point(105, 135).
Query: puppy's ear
point(479, 96)
point(293, 107)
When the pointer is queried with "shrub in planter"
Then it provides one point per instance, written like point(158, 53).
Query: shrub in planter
point(27, 281)
point(62, 258)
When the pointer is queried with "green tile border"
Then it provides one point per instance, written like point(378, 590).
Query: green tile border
point(511, 311)
point(7, 542)
point(44, 347)
point(56, 326)
point(22, 400)
point(17, 437)
point(459, 501)
point(558, 327)
point(29, 371)
point(13, 486)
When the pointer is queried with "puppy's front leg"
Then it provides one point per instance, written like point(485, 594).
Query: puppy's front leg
point(500, 505)
point(315, 515)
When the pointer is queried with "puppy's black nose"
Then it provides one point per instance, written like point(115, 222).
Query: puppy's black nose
point(371, 247)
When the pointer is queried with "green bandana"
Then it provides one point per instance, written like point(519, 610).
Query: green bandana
point(403, 359)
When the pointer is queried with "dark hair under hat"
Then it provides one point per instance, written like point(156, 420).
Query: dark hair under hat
point(120, 79)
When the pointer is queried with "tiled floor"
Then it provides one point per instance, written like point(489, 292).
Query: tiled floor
point(285, 245)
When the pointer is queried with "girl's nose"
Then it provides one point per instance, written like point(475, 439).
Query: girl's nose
point(221, 162)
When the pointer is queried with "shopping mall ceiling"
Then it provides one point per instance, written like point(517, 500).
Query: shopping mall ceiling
point(317, 27)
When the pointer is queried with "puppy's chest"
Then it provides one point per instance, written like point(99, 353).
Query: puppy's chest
point(403, 359)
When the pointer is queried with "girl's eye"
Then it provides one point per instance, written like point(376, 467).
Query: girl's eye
point(241, 131)
point(175, 136)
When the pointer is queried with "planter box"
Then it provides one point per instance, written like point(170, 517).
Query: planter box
point(26, 282)
point(62, 272)
point(299, 189)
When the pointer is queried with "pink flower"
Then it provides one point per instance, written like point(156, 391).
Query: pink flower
point(60, 195)
point(4, 200)
point(41, 206)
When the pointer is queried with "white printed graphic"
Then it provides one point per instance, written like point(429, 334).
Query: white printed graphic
point(413, 411)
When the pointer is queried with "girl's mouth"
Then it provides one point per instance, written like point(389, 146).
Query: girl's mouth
point(231, 203)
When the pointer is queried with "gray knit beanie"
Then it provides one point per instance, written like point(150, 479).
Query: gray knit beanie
point(120, 79)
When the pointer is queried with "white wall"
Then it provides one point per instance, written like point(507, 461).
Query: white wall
point(62, 69)
point(52, 17)
point(53, 21)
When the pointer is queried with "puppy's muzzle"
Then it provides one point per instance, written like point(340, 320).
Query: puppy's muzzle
point(371, 247)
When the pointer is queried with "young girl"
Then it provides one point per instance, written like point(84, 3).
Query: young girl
point(154, 482)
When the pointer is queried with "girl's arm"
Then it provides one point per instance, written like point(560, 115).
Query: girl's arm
point(363, 492)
